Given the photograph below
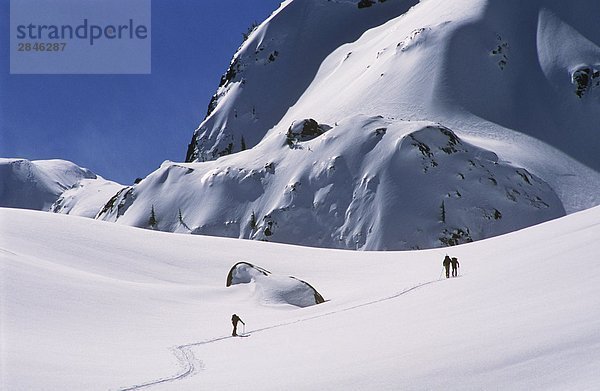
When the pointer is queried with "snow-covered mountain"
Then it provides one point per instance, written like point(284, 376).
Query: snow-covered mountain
point(88, 305)
point(56, 185)
point(390, 125)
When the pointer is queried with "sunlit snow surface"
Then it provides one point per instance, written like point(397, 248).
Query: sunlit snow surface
point(94, 306)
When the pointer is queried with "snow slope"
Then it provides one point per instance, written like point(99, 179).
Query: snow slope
point(86, 198)
point(57, 185)
point(364, 85)
point(97, 306)
point(367, 183)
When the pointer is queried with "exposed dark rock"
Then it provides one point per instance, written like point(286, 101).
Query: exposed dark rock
point(365, 3)
point(455, 236)
point(584, 79)
point(380, 131)
point(304, 130)
point(501, 52)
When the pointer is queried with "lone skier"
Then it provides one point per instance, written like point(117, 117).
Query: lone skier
point(234, 320)
point(446, 264)
point(455, 266)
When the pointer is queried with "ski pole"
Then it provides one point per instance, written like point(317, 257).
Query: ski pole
point(244, 328)
point(442, 272)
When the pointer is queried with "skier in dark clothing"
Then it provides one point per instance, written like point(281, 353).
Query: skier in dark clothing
point(455, 266)
point(446, 264)
point(234, 320)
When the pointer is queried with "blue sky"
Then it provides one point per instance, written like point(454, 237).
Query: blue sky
point(123, 126)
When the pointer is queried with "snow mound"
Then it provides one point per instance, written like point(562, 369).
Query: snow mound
point(272, 289)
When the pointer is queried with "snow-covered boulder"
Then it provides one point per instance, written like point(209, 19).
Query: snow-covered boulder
point(244, 273)
point(273, 289)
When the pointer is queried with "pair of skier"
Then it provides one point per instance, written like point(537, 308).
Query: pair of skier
point(455, 265)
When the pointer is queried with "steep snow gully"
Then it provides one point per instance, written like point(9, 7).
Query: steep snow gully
point(191, 364)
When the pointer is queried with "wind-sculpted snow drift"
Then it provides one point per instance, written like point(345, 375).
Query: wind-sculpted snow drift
point(273, 289)
point(368, 183)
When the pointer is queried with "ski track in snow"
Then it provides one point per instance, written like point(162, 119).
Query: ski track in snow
point(187, 359)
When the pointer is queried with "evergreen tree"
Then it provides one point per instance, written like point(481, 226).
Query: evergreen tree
point(152, 221)
point(443, 211)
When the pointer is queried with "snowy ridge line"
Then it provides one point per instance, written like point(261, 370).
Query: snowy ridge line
point(186, 357)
